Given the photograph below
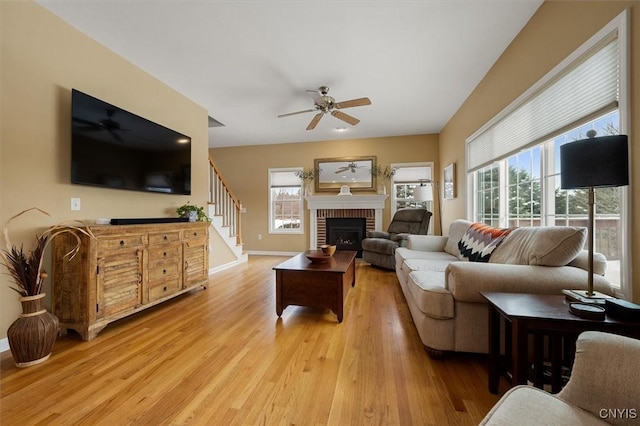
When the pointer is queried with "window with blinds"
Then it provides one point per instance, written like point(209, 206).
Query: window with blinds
point(285, 201)
point(513, 160)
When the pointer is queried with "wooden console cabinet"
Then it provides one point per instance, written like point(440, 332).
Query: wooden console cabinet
point(125, 269)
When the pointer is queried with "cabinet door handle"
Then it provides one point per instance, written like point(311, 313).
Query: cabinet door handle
point(164, 288)
point(164, 254)
point(121, 243)
point(164, 271)
point(186, 265)
point(165, 238)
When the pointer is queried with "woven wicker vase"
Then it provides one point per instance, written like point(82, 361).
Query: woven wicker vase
point(31, 337)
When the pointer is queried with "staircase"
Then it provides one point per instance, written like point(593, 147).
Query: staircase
point(224, 211)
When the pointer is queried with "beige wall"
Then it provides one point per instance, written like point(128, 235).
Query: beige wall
point(556, 30)
point(42, 58)
point(246, 171)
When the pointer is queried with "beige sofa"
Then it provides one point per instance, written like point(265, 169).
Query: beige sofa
point(599, 392)
point(442, 288)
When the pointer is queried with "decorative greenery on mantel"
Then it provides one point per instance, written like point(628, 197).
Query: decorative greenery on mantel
point(308, 174)
point(385, 172)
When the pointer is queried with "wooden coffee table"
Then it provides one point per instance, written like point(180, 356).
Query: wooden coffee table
point(318, 285)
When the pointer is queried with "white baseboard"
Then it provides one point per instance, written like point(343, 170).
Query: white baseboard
point(4, 345)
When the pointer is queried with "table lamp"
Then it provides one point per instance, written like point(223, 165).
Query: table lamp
point(424, 192)
point(595, 162)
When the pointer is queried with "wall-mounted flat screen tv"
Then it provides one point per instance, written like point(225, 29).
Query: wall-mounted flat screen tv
point(113, 148)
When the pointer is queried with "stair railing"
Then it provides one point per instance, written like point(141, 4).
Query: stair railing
point(225, 203)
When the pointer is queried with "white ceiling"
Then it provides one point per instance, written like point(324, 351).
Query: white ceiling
point(248, 61)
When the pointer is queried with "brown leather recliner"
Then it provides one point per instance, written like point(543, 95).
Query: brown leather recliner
point(379, 247)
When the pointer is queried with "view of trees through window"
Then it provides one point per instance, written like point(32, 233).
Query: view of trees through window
point(286, 208)
point(524, 190)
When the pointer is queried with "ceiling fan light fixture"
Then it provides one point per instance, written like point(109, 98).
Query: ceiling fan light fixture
point(341, 129)
point(327, 104)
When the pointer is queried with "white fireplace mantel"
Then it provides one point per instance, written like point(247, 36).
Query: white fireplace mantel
point(335, 202)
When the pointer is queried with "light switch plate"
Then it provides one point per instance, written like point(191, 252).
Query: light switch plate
point(75, 204)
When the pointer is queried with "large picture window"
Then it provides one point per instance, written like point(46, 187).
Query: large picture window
point(513, 162)
point(285, 201)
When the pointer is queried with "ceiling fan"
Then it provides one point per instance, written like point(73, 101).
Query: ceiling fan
point(108, 124)
point(326, 104)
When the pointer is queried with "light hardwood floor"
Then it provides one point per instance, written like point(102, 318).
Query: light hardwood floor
point(221, 356)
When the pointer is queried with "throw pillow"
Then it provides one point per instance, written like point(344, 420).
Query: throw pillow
point(480, 241)
point(542, 246)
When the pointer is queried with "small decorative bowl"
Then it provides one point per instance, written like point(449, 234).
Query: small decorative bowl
point(328, 249)
point(317, 256)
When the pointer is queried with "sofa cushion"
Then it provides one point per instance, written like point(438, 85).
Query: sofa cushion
point(434, 264)
point(430, 295)
point(541, 245)
point(480, 240)
point(456, 230)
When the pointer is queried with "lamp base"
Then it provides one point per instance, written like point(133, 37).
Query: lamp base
point(582, 296)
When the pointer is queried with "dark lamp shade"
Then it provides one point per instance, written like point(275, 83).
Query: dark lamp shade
point(595, 162)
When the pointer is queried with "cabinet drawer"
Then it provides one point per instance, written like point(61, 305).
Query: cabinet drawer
point(194, 234)
point(164, 237)
point(162, 289)
point(123, 241)
point(170, 252)
point(164, 271)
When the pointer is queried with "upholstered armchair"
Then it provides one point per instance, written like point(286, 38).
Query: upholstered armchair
point(379, 247)
point(603, 389)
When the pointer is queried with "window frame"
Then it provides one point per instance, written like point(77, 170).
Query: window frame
point(271, 203)
point(428, 204)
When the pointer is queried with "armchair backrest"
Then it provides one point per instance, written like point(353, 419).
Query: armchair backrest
point(605, 377)
point(410, 221)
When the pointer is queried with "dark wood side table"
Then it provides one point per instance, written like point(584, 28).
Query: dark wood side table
point(539, 315)
point(318, 285)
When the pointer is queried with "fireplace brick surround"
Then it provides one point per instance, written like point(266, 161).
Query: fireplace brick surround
point(369, 207)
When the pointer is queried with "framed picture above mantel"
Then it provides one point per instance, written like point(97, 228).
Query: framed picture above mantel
point(355, 172)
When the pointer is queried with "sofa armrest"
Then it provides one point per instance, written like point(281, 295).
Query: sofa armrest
point(465, 280)
point(426, 242)
point(598, 383)
point(378, 234)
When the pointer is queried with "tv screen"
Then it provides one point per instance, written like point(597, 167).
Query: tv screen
point(113, 148)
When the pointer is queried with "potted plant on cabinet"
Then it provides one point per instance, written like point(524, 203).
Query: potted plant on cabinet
point(194, 213)
point(32, 336)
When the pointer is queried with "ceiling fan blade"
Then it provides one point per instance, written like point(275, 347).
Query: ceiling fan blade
point(345, 117)
point(317, 97)
point(353, 103)
point(315, 121)
point(294, 113)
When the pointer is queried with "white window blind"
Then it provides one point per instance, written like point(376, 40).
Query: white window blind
point(590, 86)
point(283, 179)
point(411, 174)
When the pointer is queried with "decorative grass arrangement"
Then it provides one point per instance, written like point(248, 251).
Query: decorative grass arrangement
point(25, 267)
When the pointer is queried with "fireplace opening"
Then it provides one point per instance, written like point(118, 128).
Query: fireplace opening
point(346, 233)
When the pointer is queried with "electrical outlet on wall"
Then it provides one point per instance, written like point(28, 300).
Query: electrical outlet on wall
point(259, 236)
point(75, 204)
